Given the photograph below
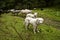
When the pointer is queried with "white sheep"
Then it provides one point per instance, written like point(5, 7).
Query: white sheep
point(35, 14)
point(14, 11)
point(34, 22)
point(26, 11)
point(32, 15)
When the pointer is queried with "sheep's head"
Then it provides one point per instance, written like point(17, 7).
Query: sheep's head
point(40, 20)
point(35, 14)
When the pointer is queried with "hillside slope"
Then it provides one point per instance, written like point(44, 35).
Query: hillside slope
point(12, 27)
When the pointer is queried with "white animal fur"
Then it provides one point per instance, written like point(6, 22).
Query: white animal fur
point(32, 15)
point(34, 22)
point(26, 11)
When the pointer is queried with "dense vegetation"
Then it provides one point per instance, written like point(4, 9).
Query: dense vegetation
point(12, 27)
point(19, 4)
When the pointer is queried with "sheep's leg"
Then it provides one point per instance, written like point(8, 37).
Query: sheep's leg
point(34, 29)
point(37, 29)
point(27, 24)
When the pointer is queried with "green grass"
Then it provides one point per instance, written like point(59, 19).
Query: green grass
point(12, 27)
point(51, 13)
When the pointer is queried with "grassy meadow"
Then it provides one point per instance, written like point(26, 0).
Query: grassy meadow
point(12, 27)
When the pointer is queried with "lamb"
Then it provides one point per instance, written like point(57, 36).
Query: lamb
point(34, 21)
point(32, 15)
